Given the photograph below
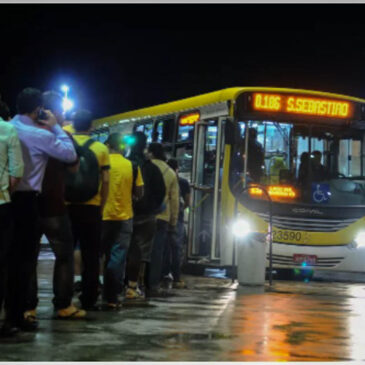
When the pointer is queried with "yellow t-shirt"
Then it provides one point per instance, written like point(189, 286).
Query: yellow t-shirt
point(102, 155)
point(118, 206)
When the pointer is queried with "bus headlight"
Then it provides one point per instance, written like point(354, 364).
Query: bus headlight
point(240, 228)
point(360, 239)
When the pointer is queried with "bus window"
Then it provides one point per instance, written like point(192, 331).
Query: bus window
point(146, 128)
point(184, 157)
point(164, 131)
point(349, 158)
point(185, 133)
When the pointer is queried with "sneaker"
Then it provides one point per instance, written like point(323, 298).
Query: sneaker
point(133, 294)
point(71, 312)
point(179, 284)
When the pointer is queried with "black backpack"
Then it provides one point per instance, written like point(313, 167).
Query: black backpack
point(84, 184)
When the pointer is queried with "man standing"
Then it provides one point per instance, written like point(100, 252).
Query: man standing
point(125, 183)
point(144, 222)
point(38, 145)
point(175, 240)
point(55, 224)
point(11, 170)
point(166, 220)
point(86, 216)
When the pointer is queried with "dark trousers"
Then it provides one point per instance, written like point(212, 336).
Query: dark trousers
point(23, 254)
point(116, 238)
point(86, 230)
point(6, 234)
point(155, 267)
point(144, 229)
point(58, 232)
point(173, 251)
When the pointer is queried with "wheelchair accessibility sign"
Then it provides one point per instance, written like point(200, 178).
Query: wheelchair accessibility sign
point(321, 193)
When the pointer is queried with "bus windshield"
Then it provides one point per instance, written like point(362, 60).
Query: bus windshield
point(302, 162)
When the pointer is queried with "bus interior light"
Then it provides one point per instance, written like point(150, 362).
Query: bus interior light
point(241, 228)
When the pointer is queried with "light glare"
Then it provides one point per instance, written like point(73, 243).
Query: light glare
point(360, 239)
point(67, 104)
point(240, 228)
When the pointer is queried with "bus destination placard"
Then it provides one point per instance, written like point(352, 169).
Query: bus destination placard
point(300, 104)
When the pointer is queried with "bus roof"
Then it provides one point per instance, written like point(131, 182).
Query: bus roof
point(215, 97)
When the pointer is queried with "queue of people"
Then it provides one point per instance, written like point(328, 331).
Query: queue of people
point(80, 192)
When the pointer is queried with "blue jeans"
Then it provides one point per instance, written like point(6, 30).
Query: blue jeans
point(116, 238)
point(172, 251)
point(155, 267)
point(58, 232)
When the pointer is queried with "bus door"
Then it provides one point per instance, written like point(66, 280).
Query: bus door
point(203, 217)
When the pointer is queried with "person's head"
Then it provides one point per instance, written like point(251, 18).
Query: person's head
point(252, 134)
point(114, 142)
point(156, 151)
point(82, 120)
point(172, 162)
point(140, 143)
point(317, 157)
point(304, 157)
point(4, 111)
point(29, 102)
point(52, 101)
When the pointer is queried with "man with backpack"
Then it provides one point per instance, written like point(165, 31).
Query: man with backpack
point(125, 184)
point(87, 192)
point(166, 220)
point(55, 225)
point(144, 221)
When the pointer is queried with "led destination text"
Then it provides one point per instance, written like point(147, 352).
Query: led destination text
point(301, 105)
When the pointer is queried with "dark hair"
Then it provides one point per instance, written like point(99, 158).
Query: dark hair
point(52, 100)
point(114, 141)
point(157, 150)
point(28, 100)
point(4, 111)
point(82, 120)
point(140, 143)
point(172, 162)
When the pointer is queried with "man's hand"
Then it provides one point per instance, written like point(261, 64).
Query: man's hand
point(51, 119)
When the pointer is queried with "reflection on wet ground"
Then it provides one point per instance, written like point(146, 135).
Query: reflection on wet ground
point(211, 321)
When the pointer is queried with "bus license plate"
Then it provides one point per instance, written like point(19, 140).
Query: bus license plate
point(300, 258)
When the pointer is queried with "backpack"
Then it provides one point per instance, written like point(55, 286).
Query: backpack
point(84, 184)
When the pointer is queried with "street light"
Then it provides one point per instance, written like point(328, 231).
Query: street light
point(67, 104)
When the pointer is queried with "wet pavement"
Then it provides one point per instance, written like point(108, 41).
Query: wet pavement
point(212, 320)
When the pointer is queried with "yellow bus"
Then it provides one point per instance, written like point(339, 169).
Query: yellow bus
point(305, 147)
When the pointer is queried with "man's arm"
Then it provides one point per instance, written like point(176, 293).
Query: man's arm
point(174, 201)
point(138, 185)
point(57, 143)
point(104, 191)
point(15, 160)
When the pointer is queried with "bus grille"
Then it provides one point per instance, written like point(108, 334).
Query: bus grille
point(321, 262)
point(308, 224)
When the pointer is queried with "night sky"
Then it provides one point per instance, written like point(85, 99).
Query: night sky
point(121, 57)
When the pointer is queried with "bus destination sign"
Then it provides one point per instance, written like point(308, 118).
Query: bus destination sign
point(305, 105)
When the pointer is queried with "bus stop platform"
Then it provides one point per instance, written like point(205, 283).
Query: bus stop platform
point(212, 320)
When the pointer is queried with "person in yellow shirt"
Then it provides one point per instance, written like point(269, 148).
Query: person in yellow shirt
point(125, 184)
point(166, 220)
point(86, 216)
